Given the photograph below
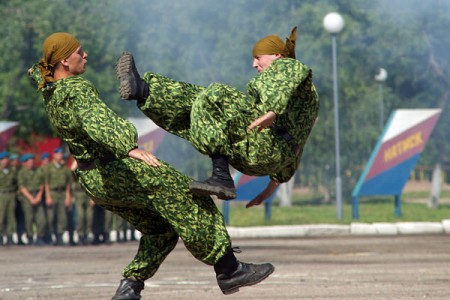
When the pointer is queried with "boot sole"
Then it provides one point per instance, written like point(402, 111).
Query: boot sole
point(236, 289)
point(124, 68)
point(202, 189)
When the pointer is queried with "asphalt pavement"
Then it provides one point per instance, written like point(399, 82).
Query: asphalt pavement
point(312, 262)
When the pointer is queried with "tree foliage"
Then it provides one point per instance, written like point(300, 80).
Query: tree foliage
point(205, 41)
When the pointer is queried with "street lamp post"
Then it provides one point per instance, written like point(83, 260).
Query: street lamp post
point(381, 78)
point(333, 23)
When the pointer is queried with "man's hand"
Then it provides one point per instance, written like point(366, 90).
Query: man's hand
point(271, 187)
point(68, 202)
point(145, 156)
point(35, 200)
point(263, 121)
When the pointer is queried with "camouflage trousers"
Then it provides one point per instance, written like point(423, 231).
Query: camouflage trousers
point(213, 120)
point(7, 217)
point(158, 203)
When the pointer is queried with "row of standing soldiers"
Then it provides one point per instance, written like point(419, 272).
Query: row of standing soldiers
point(42, 203)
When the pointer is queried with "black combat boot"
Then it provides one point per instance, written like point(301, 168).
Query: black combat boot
point(231, 274)
point(132, 86)
point(30, 239)
point(220, 183)
point(129, 289)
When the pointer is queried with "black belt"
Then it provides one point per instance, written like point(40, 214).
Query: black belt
point(284, 134)
point(86, 165)
point(90, 165)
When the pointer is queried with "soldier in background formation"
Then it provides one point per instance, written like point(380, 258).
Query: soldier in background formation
point(58, 180)
point(26, 210)
point(31, 186)
point(102, 225)
point(45, 160)
point(105, 222)
point(8, 190)
point(15, 165)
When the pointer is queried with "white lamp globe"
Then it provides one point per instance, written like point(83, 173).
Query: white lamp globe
point(382, 75)
point(333, 23)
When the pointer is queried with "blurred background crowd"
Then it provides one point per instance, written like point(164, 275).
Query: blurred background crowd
point(43, 204)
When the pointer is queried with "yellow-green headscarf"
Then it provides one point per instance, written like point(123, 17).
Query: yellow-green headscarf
point(272, 44)
point(55, 48)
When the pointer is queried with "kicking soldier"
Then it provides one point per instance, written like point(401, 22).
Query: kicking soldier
point(260, 134)
point(132, 182)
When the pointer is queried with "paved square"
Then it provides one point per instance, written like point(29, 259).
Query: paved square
point(343, 267)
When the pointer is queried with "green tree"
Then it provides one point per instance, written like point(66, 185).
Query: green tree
point(203, 41)
point(28, 23)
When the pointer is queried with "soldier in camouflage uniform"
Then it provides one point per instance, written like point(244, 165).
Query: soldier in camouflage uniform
point(58, 180)
point(45, 163)
point(263, 133)
point(31, 186)
point(14, 164)
point(8, 191)
point(131, 182)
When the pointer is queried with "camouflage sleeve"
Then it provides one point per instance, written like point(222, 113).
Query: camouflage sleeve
point(273, 88)
point(286, 174)
point(35, 74)
point(101, 124)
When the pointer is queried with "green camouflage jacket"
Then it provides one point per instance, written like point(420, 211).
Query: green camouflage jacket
point(286, 88)
point(90, 128)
